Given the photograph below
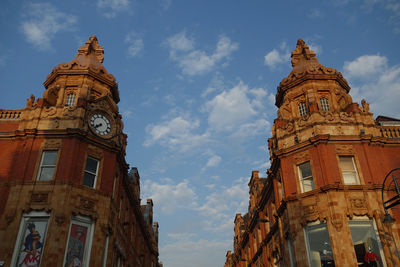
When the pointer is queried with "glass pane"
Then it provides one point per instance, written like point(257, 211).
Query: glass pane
point(308, 185)
point(46, 173)
point(34, 236)
point(365, 242)
point(346, 163)
point(76, 245)
point(88, 179)
point(350, 178)
point(305, 169)
point(319, 246)
point(49, 158)
point(91, 165)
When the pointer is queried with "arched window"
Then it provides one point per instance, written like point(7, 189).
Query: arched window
point(70, 101)
point(324, 104)
point(302, 108)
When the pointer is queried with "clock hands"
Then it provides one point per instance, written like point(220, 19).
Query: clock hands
point(97, 125)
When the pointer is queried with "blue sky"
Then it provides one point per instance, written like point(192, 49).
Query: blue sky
point(197, 81)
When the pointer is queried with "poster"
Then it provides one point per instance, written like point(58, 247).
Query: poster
point(76, 245)
point(31, 246)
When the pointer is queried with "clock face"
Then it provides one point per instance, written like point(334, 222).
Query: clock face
point(100, 124)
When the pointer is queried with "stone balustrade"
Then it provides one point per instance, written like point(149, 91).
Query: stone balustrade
point(390, 131)
point(10, 114)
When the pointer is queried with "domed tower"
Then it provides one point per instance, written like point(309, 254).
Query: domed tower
point(67, 196)
point(328, 161)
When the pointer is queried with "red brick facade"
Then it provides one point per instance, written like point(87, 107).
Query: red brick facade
point(321, 202)
point(63, 171)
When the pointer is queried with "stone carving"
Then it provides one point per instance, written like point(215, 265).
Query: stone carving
point(86, 203)
point(337, 222)
point(358, 203)
point(51, 144)
point(60, 219)
point(30, 101)
point(39, 197)
point(365, 106)
point(344, 149)
point(49, 111)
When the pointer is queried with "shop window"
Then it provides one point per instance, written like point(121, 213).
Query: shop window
point(70, 100)
point(47, 165)
point(79, 242)
point(91, 171)
point(302, 109)
point(305, 176)
point(349, 171)
point(31, 239)
point(324, 104)
point(366, 243)
point(319, 248)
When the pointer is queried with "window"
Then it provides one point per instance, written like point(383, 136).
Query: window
point(303, 108)
point(91, 169)
point(348, 168)
point(324, 104)
point(319, 248)
point(47, 165)
point(366, 241)
point(305, 175)
point(31, 239)
point(70, 100)
point(79, 242)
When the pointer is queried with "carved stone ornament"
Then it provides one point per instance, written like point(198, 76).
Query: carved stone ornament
point(344, 149)
point(49, 112)
point(358, 203)
point(337, 222)
point(302, 156)
point(87, 203)
point(344, 116)
point(60, 219)
point(310, 210)
point(51, 144)
point(39, 197)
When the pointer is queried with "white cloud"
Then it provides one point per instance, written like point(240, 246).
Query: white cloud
point(42, 21)
point(165, 4)
point(365, 66)
point(196, 62)
point(315, 14)
point(112, 7)
point(371, 78)
point(213, 161)
point(221, 205)
point(169, 197)
point(216, 84)
point(176, 133)
point(231, 108)
point(276, 57)
point(135, 44)
point(247, 130)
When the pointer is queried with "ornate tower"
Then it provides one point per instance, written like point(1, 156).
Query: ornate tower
point(67, 196)
point(321, 204)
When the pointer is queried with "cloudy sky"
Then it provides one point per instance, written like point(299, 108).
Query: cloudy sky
point(197, 81)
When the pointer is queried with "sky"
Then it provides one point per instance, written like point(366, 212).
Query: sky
point(197, 82)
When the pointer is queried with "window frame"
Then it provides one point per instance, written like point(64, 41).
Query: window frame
point(303, 111)
point(96, 175)
point(70, 101)
point(301, 178)
point(85, 222)
point(41, 166)
point(324, 102)
point(315, 225)
point(25, 219)
point(354, 171)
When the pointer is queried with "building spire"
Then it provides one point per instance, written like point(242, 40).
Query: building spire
point(92, 47)
point(302, 57)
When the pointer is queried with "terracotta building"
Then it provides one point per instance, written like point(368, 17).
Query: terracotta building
point(67, 196)
point(321, 203)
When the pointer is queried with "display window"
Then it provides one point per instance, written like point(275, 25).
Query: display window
point(319, 247)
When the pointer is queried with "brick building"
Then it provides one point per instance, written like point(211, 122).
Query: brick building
point(321, 203)
point(67, 196)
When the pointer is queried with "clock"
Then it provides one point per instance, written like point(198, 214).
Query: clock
point(100, 124)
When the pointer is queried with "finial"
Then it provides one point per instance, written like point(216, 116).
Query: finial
point(302, 54)
point(92, 47)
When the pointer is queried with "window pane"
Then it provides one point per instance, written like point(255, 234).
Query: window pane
point(308, 185)
point(91, 165)
point(350, 178)
point(365, 242)
point(46, 173)
point(319, 246)
point(49, 158)
point(305, 169)
point(346, 163)
point(88, 179)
